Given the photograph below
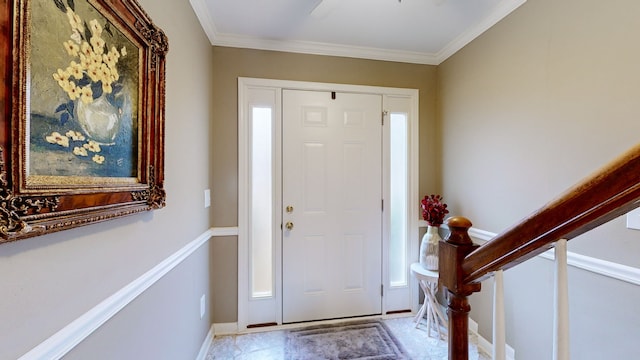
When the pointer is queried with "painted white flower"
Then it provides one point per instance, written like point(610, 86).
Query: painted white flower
point(74, 20)
point(86, 49)
point(85, 61)
point(61, 76)
point(75, 36)
point(105, 73)
point(123, 51)
point(98, 45)
point(80, 151)
point(86, 94)
point(92, 146)
point(57, 138)
point(75, 70)
point(110, 60)
point(99, 159)
point(73, 91)
point(95, 27)
point(94, 73)
point(114, 52)
point(96, 60)
point(106, 87)
point(75, 135)
point(72, 48)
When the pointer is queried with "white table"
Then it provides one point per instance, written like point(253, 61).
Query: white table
point(428, 281)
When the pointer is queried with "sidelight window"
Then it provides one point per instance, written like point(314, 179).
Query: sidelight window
point(398, 232)
point(261, 243)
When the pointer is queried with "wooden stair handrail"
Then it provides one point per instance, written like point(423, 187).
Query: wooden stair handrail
point(603, 196)
point(612, 191)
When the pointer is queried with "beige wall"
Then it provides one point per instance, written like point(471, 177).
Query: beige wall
point(49, 281)
point(539, 101)
point(231, 63)
point(533, 105)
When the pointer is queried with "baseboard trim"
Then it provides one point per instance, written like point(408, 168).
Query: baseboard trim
point(59, 344)
point(204, 349)
point(601, 267)
point(487, 346)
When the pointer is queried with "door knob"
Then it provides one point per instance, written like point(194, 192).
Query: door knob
point(289, 225)
point(289, 209)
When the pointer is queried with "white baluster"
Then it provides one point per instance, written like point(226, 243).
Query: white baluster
point(499, 342)
point(561, 311)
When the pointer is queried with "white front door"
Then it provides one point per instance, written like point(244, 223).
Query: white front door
point(331, 205)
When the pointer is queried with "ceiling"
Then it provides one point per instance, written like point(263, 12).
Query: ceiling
point(414, 31)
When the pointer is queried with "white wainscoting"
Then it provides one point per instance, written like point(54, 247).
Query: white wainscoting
point(60, 343)
point(602, 267)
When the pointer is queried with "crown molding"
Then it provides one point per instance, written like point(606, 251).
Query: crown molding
point(318, 48)
point(327, 49)
point(206, 21)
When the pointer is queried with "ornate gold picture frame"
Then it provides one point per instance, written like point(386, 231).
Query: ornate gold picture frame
point(82, 121)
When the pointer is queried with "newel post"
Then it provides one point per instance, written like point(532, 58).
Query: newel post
point(452, 251)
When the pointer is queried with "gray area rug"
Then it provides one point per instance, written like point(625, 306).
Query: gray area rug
point(353, 340)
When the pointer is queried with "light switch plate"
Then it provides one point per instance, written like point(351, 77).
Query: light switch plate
point(202, 306)
point(207, 198)
point(633, 219)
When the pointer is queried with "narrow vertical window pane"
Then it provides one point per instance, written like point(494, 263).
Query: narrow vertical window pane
point(261, 238)
point(398, 208)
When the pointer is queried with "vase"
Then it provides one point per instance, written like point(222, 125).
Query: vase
point(429, 248)
point(99, 120)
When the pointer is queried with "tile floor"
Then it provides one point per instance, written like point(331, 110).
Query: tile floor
point(269, 345)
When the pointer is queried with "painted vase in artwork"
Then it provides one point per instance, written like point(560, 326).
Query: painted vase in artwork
point(99, 120)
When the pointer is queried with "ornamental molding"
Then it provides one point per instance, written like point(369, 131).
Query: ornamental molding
point(154, 196)
point(12, 208)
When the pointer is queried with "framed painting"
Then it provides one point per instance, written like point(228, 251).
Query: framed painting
point(82, 122)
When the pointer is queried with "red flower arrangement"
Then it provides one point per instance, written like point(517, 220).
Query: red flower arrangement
point(433, 210)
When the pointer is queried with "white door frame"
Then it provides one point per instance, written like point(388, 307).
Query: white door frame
point(244, 184)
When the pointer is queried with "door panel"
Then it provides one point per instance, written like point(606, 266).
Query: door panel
point(332, 173)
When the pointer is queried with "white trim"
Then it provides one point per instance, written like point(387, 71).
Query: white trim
point(249, 94)
point(224, 231)
point(60, 343)
point(321, 86)
point(601, 267)
point(318, 48)
point(204, 16)
point(485, 345)
point(482, 235)
point(243, 211)
point(499, 329)
point(246, 84)
point(403, 296)
point(206, 344)
point(327, 49)
point(561, 299)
